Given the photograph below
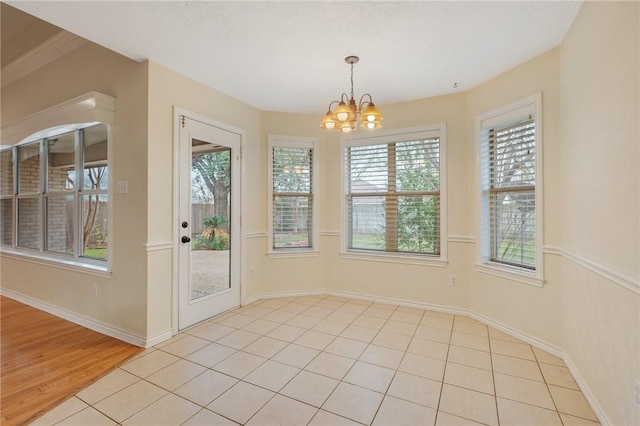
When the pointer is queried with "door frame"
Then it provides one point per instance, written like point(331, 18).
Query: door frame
point(178, 113)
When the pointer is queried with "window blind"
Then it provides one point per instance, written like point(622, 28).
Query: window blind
point(512, 193)
point(292, 197)
point(393, 196)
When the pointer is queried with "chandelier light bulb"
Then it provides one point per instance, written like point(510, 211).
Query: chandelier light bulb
point(328, 122)
point(342, 111)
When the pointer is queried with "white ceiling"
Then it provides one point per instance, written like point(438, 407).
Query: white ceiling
point(289, 55)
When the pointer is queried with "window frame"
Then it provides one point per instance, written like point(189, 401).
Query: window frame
point(281, 141)
point(42, 253)
point(505, 115)
point(436, 130)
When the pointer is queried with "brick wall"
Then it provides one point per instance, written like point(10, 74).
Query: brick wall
point(59, 208)
point(6, 173)
point(28, 170)
point(29, 208)
point(29, 223)
point(59, 214)
point(6, 190)
point(6, 230)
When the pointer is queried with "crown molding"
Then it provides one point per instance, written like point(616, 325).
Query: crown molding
point(47, 51)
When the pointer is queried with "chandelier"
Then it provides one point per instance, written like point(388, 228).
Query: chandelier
point(346, 114)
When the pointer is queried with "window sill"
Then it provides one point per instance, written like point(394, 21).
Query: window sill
point(56, 262)
point(292, 253)
point(510, 273)
point(407, 259)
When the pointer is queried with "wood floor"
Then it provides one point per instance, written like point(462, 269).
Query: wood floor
point(46, 360)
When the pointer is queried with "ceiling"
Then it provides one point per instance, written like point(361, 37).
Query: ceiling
point(289, 55)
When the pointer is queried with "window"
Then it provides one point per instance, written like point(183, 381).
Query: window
point(292, 200)
point(510, 192)
point(55, 194)
point(6, 197)
point(394, 187)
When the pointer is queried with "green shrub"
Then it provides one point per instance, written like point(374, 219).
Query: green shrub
point(213, 237)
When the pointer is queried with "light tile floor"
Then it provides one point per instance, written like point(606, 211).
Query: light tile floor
point(318, 360)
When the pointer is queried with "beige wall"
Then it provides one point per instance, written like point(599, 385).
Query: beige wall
point(599, 89)
point(600, 188)
point(589, 88)
point(502, 300)
point(412, 283)
point(292, 274)
point(166, 90)
point(122, 296)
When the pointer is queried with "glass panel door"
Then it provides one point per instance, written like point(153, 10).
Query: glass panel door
point(210, 218)
point(208, 223)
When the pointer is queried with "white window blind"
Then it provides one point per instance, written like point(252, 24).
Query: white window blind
point(292, 197)
point(392, 194)
point(511, 193)
point(510, 220)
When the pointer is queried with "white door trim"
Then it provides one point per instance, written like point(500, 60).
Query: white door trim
point(178, 112)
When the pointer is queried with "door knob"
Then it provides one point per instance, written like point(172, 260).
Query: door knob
point(185, 239)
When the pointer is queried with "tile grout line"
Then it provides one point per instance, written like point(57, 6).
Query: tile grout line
point(370, 343)
point(445, 370)
point(384, 395)
point(493, 378)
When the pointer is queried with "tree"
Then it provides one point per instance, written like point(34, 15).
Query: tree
point(214, 171)
point(94, 175)
point(513, 210)
point(418, 171)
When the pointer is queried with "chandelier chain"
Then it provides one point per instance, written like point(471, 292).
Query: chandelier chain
point(352, 80)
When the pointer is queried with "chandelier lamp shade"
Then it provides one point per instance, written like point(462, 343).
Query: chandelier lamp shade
point(346, 113)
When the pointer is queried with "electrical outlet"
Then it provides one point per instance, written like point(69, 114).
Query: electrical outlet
point(637, 391)
point(453, 280)
point(95, 289)
point(122, 187)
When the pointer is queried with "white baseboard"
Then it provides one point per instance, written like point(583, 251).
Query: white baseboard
point(399, 302)
point(591, 399)
point(160, 337)
point(100, 327)
point(554, 350)
point(533, 341)
point(316, 292)
point(249, 300)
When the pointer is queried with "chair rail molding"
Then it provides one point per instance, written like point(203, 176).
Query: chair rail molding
point(613, 276)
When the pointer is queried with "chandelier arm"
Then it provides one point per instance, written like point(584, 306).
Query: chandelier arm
point(332, 102)
point(362, 102)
